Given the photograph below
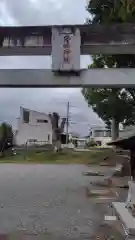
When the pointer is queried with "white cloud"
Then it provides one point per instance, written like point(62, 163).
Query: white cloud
point(46, 11)
point(40, 12)
point(5, 18)
point(48, 100)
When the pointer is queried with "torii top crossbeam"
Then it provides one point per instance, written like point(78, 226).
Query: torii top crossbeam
point(95, 39)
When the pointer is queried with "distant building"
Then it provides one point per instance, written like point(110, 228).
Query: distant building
point(34, 127)
point(100, 135)
point(127, 131)
point(79, 142)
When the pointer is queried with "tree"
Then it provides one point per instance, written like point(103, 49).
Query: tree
point(112, 105)
point(6, 137)
point(111, 11)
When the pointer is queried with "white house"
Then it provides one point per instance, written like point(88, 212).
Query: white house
point(127, 131)
point(79, 142)
point(100, 135)
point(34, 127)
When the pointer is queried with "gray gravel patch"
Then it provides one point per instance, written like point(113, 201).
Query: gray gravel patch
point(49, 200)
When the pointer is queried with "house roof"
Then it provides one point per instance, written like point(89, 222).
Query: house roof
point(127, 135)
point(74, 134)
point(99, 128)
point(31, 110)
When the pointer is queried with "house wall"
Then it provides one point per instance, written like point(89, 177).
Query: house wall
point(80, 142)
point(103, 139)
point(127, 131)
point(34, 130)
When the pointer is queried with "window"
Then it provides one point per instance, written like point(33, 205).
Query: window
point(102, 133)
point(99, 133)
point(32, 140)
point(42, 121)
point(26, 116)
point(48, 137)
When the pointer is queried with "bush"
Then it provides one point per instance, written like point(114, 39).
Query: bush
point(92, 143)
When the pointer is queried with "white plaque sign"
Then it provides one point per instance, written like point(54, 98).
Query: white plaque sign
point(66, 49)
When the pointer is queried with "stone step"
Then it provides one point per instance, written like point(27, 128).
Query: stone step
point(125, 216)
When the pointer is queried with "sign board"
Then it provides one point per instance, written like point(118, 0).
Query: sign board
point(66, 43)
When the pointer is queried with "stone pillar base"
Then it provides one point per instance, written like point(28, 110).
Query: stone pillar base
point(130, 202)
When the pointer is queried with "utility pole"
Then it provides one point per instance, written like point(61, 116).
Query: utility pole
point(67, 123)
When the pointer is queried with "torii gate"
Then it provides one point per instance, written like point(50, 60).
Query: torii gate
point(66, 43)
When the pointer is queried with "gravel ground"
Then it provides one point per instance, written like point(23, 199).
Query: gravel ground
point(49, 200)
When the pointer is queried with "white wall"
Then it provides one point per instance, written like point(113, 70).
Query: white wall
point(33, 130)
point(103, 140)
point(127, 131)
point(81, 143)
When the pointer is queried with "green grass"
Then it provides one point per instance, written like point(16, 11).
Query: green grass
point(65, 157)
